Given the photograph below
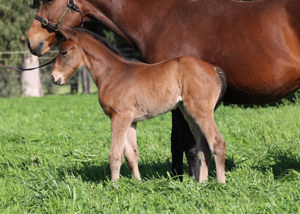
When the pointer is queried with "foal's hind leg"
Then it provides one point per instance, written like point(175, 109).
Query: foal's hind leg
point(203, 116)
point(120, 124)
point(205, 156)
point(201, 143)
point(215, 142)
point(131, 152)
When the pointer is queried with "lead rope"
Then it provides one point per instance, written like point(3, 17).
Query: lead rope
point(28, 69)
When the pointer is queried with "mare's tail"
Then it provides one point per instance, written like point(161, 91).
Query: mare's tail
point(223, 82)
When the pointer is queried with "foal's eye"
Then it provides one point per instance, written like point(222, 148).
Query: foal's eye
point(64, 53)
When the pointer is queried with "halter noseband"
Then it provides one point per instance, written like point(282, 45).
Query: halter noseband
point(55, 27)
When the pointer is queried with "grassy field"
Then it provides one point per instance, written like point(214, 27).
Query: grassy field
point(54, 159)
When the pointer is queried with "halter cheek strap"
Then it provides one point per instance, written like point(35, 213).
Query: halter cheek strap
point(55, 27)
point(61, 18)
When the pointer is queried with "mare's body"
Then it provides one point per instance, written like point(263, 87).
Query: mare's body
point(130, 92)
point(255, 43)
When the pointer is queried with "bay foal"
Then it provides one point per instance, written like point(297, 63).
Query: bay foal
point(132, 91)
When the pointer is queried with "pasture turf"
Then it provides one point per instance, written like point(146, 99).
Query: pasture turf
point(54, 159)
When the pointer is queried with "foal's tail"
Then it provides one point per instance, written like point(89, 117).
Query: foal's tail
point(223, 82)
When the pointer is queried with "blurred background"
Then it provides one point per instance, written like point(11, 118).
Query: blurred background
point(16, 17)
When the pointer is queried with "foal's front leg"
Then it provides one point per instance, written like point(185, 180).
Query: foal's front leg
point(120, 123)
point(131, 152)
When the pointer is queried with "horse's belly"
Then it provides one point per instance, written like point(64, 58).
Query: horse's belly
point(153, 108)
point(262, 89)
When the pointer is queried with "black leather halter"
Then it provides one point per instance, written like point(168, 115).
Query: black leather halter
point(55, 27)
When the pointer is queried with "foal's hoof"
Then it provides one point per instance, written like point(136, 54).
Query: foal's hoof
point(116, 184)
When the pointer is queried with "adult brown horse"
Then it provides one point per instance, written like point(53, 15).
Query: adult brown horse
point(131, 91)
point(255, 43)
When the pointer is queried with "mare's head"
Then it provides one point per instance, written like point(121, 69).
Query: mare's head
point(69, 59)
point(42, 33)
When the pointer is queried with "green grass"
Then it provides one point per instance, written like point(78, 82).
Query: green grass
point(54, 159)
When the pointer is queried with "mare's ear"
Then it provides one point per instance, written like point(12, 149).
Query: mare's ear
point(68, 33)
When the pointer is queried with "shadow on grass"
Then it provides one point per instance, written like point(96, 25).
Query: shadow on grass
point(279, 161)
point(90, 172)
point(99, 172)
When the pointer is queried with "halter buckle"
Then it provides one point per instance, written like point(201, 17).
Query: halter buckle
point(45, 22)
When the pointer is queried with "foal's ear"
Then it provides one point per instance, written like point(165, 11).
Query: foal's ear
point(68, 33)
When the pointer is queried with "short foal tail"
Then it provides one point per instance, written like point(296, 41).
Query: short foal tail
point(223, 82)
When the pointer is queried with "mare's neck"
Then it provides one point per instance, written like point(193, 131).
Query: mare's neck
point(103, 11)
point(131, 19)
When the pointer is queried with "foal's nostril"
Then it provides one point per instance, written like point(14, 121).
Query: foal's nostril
point(58, 82)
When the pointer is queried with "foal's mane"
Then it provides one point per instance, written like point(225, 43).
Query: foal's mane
point(100, 39)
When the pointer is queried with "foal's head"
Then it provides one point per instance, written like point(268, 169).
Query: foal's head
point(69, 58)
point(79, 48)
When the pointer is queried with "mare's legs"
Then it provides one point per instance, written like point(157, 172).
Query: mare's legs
point(120, 124)
point(183, 140)
point(131, 152)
